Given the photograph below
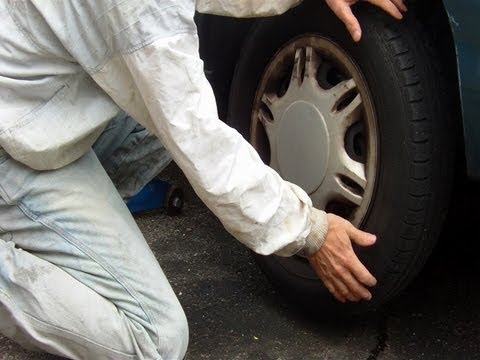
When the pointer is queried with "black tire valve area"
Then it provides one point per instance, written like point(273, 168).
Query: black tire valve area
point(174, 201)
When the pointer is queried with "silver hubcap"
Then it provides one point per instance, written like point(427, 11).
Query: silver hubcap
point(313, 121)
point(305, 161)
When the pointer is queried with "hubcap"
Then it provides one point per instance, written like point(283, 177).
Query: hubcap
point(313, 121)
point(304, 160)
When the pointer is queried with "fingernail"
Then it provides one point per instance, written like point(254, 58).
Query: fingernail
point(356, 35)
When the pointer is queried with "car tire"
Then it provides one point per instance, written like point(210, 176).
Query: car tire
point(415, 145)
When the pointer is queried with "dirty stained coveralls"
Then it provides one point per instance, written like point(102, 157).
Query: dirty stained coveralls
point(77, 278)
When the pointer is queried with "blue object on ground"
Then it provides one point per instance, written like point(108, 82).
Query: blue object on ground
point(153, 196)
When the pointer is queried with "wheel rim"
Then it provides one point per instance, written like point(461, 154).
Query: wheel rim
point(314, 122)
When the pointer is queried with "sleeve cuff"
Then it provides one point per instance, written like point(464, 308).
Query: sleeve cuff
point(318, 233)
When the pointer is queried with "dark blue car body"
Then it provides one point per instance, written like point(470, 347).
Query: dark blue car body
point(464, 17)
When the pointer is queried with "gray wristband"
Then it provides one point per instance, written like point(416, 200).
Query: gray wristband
point(317, 234)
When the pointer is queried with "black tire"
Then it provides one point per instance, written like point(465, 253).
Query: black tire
point(416, 142)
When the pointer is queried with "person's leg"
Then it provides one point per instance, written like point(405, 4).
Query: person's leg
point(77, 278)
point(131, 155)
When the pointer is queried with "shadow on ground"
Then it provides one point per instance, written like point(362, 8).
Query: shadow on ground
point(438, 315)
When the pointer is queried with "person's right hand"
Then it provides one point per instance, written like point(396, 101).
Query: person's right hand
point(337, 265)
point(342, 8)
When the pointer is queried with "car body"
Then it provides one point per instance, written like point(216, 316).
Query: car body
point(467, 44)
point(391, 169)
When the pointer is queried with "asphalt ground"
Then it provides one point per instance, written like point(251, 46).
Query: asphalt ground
point(236, 314)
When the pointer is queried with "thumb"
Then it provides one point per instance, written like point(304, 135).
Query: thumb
point(361, 238)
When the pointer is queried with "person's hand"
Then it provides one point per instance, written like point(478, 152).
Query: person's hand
point(342, 8)
point(337, 265)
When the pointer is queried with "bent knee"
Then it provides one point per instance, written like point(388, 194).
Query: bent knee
point(174, 336)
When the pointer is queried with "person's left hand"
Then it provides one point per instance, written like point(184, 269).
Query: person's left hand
point(342, 8)
point(337, 265)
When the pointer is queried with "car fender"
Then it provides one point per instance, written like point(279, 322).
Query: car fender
point(464, 26)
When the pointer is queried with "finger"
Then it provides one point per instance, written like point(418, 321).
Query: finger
point(333, 290)
point(344, 13)
point(343, 289)
point(356, 288)
point(339, 289)
point(328, 284)
point(360, 237)
point(401, 5)
point(360, 272)
point(389, 7)
point(342, 278)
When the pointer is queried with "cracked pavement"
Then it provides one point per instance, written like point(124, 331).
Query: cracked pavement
point(236, 314)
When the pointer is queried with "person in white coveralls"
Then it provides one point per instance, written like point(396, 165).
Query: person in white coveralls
point(77, 278)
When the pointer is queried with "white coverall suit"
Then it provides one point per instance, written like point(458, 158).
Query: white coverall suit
point(77, 278)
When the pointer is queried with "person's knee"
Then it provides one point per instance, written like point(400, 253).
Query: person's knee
point(175, 336)
point(182, 334)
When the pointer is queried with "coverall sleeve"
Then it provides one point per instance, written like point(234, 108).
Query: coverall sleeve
point(255, 205)
point(245, 8)
point(144, 54)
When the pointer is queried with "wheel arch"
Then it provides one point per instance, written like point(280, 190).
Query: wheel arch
point(466, 52)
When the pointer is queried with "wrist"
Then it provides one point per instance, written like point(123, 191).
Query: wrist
point(317, 235)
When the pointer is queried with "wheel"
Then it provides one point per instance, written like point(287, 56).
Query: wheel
point(362, 128)
point(174, 201)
